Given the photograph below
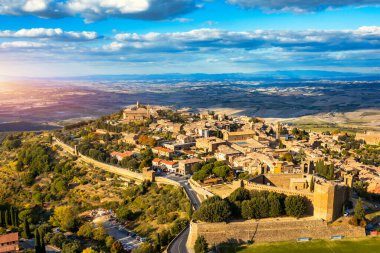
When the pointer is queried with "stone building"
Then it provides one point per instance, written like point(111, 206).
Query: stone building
point(136, 113)
point(239, 136)
point(209, 144)
point(186, 166)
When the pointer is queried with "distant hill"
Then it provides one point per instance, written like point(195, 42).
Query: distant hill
point(266, 75)
point(25, 126)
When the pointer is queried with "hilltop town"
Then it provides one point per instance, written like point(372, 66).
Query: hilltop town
point(243, 179)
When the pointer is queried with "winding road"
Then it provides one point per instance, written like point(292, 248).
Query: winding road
point(179, 244)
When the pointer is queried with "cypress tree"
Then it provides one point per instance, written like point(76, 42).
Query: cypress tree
point(2, 223)
point(42, 242)
point(12, 216)
point(16, 218)
point(6, 218)
point(359, 211)
point(26, 231)
point(37, 241)
point(312, 184)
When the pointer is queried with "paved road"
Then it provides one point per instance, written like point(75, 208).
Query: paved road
point(179, 245)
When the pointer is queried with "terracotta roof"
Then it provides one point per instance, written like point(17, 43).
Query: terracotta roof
point(163, 149)
point(122, 155)
point(167, 162)
point(12, 237)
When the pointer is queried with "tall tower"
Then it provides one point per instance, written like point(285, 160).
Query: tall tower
point(137, 104)
point(278, 131)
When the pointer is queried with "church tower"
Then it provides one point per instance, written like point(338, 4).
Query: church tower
point(278, 131)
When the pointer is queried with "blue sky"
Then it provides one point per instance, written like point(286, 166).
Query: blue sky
point(85, 37)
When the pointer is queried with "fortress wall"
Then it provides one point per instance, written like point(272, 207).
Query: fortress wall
point(369, 138)
point(266, 230)
point(281, 180)
point(259, 187)
point(200, 190)
point(107, 167)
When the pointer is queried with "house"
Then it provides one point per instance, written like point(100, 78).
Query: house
point(9, 243)
point(160, 151)
point(120, 156)
point(130, 138)
point(186, 166)
point(224, 152)
point(170, 166)
point(181, 138)
point(209, 144)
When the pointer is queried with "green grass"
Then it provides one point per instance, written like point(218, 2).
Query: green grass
point(367, 245)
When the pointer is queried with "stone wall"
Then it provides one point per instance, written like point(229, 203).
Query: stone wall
point(372, 138)
point(270, 230)
point(278, 180)
point(137, 177)
point(201, 192)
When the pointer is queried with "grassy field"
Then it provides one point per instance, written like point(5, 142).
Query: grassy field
point(370, 245)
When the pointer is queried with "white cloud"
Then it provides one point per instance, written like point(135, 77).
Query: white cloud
point(300, 5)
point(56, 33)
point(93, 10)
point(307, 40)
point(20, 44)
point(35, 5)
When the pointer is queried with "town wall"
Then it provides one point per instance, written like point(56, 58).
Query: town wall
point(203, 193)
point(137, 177)
point(270, 230)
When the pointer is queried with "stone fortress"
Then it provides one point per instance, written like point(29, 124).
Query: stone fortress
point(326, 202)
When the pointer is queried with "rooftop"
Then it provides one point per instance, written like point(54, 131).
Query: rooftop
point(12, 237)
point(163, 149)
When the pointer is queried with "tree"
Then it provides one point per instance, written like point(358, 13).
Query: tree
point(287, 157)
point(275, 208)
point(26, 229)
point(221, 171)
point(295, 206)
point(117, 247)
point(86, 230)
point(109, 241)
point(247, 209)
point(71, 247)
point(123, 213)
point(213, 210)
point(158, 242)
point(37, 242)
point(359, 211)
point(42, 242)
point(100, 234)
point(89, 250)
point(65, 217)
point(312, 184)
point(201, 245)
point(239, 194)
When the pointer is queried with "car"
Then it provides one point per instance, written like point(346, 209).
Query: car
point(143, 239)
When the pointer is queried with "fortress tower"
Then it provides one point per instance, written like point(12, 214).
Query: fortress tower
point(329, 199)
